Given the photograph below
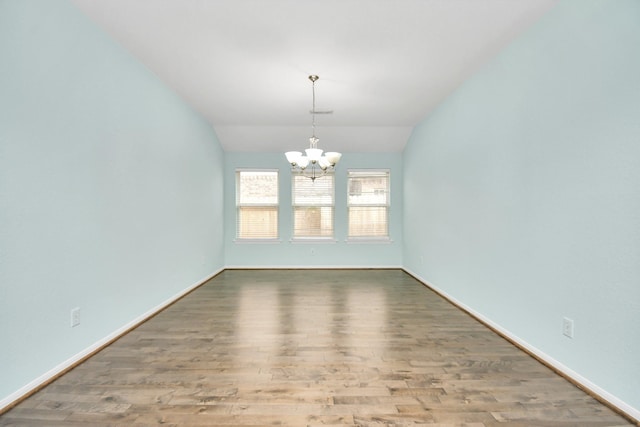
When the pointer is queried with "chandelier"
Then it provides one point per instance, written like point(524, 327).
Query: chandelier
point(314, 164)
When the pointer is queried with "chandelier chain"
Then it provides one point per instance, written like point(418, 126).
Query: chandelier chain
point(314, 140)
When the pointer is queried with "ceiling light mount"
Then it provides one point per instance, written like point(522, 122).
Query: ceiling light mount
point(314, 164)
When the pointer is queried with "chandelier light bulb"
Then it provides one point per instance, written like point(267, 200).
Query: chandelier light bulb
point(314, 154)
point(303, 162)
point(333, 157)
point(324, 163)
point(293, 156)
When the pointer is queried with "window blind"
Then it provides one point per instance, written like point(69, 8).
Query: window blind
point(257, 204)
point(313, 206)
point(368, 203)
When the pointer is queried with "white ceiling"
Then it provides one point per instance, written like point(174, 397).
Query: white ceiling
point(384, 65)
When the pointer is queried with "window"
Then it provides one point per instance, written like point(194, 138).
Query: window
point(368, 203)
point(312, 206)
point(257, 204)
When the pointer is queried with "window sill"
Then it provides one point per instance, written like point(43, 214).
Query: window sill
point(313, 240)
point(369, 240)
point(257, 241)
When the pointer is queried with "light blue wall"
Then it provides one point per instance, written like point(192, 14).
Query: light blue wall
point(341, 253)
point(110, 189)
point(522, 192)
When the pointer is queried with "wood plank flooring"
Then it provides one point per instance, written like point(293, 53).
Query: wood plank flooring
point(311, 348)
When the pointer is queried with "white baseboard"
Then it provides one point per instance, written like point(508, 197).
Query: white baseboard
point(583, 382)
point(43, 379)
point(314, 267)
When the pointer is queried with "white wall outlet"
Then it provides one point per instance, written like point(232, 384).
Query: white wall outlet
point(75, 317)
point(567, 327)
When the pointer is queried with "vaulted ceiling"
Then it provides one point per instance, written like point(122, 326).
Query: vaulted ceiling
point(384, 65)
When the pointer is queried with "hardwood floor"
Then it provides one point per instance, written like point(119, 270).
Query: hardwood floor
point(306, 348)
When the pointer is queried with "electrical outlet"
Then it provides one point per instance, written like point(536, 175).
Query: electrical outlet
point(75, 317)
point(567, 327)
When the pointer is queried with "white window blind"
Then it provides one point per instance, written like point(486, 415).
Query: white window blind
point(257, 204)
point(313, 206)
point(368, 203)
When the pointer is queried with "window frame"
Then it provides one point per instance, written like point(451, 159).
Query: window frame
point(351, 173)
point(313, 238)
point(239, 205)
